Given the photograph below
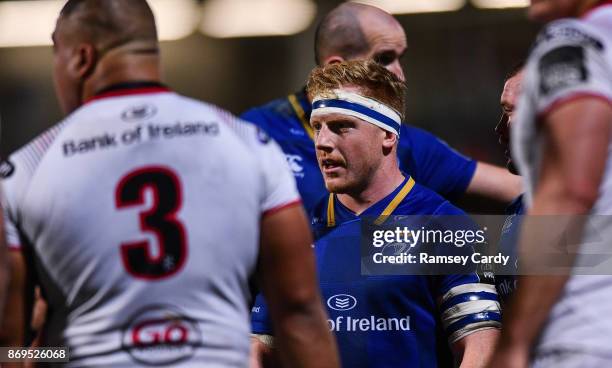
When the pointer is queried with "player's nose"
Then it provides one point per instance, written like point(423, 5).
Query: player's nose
point(396, 68)
point(324, 140)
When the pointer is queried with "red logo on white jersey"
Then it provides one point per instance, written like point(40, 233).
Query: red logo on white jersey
point(161, 335)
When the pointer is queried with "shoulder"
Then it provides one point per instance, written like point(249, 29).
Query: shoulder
point(567, 32)
point(424, 201)
point(266, 114)
point(568, 59)
point(411, 135)
point(563, 47)
point(27, 158)
point(408, 131)
point(250, 135)
point(17, 170)
point(424, 144)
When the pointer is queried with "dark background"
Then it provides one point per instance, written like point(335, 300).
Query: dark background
point(455, 66)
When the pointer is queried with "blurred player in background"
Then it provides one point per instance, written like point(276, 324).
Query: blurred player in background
point(506, 284)
point(382, 321)
point(141, 214)
point(5, 168)
point(561, 144)
point(356, 31)
point(4, 271)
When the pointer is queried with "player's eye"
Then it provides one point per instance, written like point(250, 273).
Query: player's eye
point(340, 127)
point(385, 58)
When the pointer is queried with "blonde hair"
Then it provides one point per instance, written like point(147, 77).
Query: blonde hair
point(372, 80)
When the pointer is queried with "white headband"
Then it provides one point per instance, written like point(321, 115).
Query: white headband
point(361, 107)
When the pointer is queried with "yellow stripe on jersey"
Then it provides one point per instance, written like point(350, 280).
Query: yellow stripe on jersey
point(395, 202)
point(299, 111)
point(331, 216)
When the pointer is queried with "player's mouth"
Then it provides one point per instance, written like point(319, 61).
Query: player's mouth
point(330, 166)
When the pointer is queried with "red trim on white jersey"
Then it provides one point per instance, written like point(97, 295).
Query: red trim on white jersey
point(281, 207)
point(14, 248)
point(128, 92)
point(597, 6)
point(573, 97)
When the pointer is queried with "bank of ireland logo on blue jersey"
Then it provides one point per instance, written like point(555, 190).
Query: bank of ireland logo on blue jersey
point(342, 302)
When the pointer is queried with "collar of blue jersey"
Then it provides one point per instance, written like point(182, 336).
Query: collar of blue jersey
point(337, 213)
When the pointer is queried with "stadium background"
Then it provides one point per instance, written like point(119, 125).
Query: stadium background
point(455, 65)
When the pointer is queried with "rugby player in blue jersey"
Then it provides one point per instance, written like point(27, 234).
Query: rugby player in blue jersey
point(506, 284)
point(4, 271)
point(382, 321)
point(356, 31)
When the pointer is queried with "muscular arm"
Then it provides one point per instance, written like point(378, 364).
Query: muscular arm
point(577, 135)
point(436, 165)
point(476, 349)
point(4, 268)
point(494, 183)
point(12, 332)
point(289, 283)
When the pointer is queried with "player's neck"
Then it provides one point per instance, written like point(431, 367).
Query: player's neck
point(383, 183)
point(122, 70)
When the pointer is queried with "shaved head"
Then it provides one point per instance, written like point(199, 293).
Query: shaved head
point(100, 43)
point(358, 31)
point(107, 24)
point(340, 33)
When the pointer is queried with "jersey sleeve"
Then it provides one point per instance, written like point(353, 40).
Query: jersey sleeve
point(280, 188)
point(255, 117)
point(433, 163)
point(467, 305)
point(260, 317)
point(468, 302)
point(567, 62)
point(10, 186)
point(10, 228)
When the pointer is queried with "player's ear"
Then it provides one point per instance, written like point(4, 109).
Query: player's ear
point(83, 61)
point(389, 141)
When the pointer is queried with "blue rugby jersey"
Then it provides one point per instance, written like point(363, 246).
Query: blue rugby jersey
point(390, 321)
point(508, 243)
point(429, 160)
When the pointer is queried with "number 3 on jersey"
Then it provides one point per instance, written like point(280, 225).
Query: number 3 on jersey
point(160, 220)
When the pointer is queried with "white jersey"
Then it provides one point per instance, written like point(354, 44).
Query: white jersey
point(142, 211)
point(572, 58)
